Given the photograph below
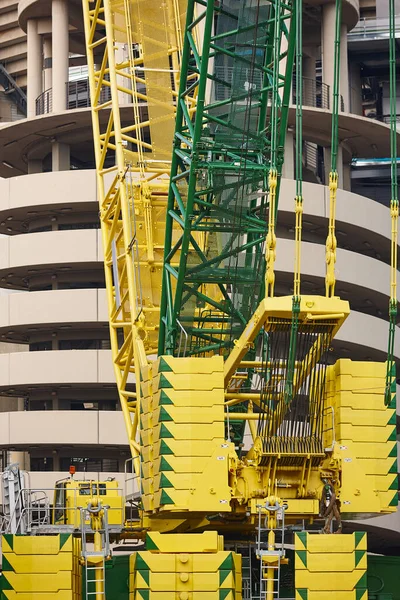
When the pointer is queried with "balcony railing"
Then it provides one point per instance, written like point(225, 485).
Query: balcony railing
point(44, 102)
point(315, 93)
point(77, 96)
point(372, 28)
point(386, 118)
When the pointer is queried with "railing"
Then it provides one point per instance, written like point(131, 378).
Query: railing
point(77, 96)
point(372, 28)
point(315, 93)
point(385, 118)
point(37, 509)
point(44, 102)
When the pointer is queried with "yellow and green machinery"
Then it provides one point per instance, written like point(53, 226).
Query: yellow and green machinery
point(71, 494)
point(240, 426)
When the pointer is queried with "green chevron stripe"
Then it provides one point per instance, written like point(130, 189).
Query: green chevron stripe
point(164, 415)
point(165, 498)
point(165, 482)
point(164, 398)
point(359, 554)
point(393, 452)
point(164, 383)
point(302, 554)
point(359, 537)
point(302, 535)
point(164, 448)
point(163, 366)
point(165, 432)
point(164, 465)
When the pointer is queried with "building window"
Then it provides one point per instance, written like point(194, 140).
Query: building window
point(44, 463)
point(90, 465)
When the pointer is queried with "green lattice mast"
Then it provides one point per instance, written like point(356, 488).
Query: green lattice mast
point(238, 61)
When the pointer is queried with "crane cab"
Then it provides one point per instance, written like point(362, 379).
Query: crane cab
point(71, 495)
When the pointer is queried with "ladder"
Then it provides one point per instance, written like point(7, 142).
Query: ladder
point(94, 559)
point(269, 553)
point(95, 583)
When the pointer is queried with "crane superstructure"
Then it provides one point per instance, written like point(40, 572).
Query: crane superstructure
point(239, 426)
point(203, 349)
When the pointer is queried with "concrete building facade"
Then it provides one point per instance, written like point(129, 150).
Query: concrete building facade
point(66, 407)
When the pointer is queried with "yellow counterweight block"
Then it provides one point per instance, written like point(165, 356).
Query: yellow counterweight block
point(41, 567)
point(184, 454)
point(185, 567)
point(364, 436)
point(331, 567)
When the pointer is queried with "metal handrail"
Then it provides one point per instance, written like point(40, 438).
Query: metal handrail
point(315, 93)
point(44, 102)
point(77, 95)
point(38, 503)
point(385, 118)
point(372, 27)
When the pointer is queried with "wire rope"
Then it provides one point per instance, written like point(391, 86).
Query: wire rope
point(390, 390)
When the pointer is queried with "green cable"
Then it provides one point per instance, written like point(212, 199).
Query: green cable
point(335, 107)
point(291, 364)
point(390, 389)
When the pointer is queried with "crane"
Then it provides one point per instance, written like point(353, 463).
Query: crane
point(190, 103)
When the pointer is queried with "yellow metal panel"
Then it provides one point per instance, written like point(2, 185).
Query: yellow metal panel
point(173, 596)
point(365, 436)
point(326, 544)
point(190, 432)
point(376, 466)
point(332, 595)
point(194, 365)
point(184, 398)
point(203, 497)
point(207, 541)
point(332, 562)
point(40, 582)
point(368, 449)
point(333, 580)
point(61, 595)
point(182, 464)
point(370, 434)
point(190, 415)
point(41, 563)
point(200, 574)
point(193, 381)
point(367, 385)
point(38, 545)
point(182, 448)
point(363, 418)
point(358, 401)
point(360, 368)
